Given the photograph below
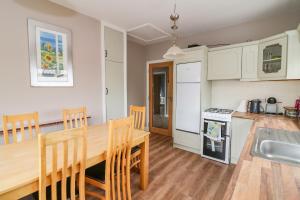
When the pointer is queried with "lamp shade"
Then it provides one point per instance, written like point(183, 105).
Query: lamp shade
point(173, 52)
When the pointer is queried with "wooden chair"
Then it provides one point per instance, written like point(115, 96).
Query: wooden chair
point(75, 118)
point(115, 178)
point(138, 114)
point(20, 124)
point(60, 145)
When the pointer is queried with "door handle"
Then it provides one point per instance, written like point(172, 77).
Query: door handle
point(106, 91)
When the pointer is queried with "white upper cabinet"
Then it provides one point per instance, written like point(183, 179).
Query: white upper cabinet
point(273, 58)
point(224, 64)
point(293, 55)
point(114, 45)
point(249, 63)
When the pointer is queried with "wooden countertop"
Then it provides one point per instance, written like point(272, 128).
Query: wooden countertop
point(258, 178)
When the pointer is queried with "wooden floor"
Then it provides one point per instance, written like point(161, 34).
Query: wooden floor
point(177, 174)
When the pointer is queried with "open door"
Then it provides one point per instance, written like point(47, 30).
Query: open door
point(161, 98)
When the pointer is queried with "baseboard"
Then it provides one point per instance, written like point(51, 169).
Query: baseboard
point(193, 150)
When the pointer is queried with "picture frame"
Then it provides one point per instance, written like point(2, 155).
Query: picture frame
point(50, 53)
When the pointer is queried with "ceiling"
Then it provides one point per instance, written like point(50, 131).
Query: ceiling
point(196, 16)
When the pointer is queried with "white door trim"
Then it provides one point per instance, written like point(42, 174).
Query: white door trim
point(103, 86)
point(147, 87)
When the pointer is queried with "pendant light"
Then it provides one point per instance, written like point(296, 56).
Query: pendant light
point(174, 51)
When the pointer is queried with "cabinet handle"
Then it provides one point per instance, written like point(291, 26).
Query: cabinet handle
point(106, 91)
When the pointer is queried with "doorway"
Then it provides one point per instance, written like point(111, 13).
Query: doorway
point(161, 98)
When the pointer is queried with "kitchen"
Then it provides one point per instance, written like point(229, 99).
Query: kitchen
point(217, 96)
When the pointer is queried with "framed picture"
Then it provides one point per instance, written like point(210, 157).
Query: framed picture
point(50, 53)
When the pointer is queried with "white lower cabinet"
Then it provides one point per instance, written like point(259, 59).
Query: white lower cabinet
point(239, 134)
point(224, 64)
point(249, 63)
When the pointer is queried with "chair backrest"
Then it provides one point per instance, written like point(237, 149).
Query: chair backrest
point(62, 147)
point(139, 114)
point(117, 171)
point(75, 118)
point(19, 125)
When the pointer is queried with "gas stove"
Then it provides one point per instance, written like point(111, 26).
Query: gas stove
point(218, 150)
point(218, 114)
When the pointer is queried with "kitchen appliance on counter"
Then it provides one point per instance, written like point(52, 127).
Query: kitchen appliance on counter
point(272, 106)
point(216, 147)
point(243, 107)
point(254, 106)
point(297, 104)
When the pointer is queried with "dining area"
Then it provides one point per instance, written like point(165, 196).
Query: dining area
point(67, 163)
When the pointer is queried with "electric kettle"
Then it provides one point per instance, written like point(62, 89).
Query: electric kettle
point(254, 106)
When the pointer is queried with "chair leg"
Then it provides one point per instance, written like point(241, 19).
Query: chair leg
point(128, 183)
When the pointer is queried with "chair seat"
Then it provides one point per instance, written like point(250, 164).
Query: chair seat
point(96, 172)
point(58, 191)
point(135, 149)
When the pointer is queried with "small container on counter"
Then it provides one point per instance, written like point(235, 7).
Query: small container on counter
point(290, 112)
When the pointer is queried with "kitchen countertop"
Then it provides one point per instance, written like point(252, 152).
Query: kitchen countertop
point(258, 178)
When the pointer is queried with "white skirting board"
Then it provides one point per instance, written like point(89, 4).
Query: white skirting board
point(193, 150)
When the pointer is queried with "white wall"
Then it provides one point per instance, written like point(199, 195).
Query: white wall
point(17, 96)
point(227, 94)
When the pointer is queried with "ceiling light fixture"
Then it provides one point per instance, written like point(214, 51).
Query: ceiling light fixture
point(174, 50)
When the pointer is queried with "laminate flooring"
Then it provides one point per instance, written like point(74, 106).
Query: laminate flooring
point(181, 175)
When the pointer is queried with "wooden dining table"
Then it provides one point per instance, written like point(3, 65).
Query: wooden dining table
point(19, 169)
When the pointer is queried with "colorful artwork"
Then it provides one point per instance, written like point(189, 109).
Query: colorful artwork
point(52, 52)
point(50, 64)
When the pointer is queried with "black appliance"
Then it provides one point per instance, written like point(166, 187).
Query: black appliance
point(271, 100)
point(221, 147)
point(254, 106)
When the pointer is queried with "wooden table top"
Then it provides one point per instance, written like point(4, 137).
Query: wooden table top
point(258, 178)
point(19, 162)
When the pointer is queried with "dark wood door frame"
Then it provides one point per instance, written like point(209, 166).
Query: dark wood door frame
point(162, 131)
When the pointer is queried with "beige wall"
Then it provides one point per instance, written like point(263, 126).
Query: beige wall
point(227, 94)
point(136, 74)
point(17, 96)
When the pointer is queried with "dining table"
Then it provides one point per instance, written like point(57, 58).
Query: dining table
point(19, 162)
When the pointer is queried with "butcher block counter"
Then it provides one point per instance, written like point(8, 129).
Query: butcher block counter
point(258, 178)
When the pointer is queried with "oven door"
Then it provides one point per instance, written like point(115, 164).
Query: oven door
point(218, 150)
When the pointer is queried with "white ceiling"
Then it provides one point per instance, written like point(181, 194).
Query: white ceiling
point(196, 16)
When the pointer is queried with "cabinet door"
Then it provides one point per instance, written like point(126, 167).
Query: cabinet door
point(250, 62)
point(293, 55)
point(224, 64)
point(272, 59)
point(239, 134)
point(115, 91)
point(114, 45)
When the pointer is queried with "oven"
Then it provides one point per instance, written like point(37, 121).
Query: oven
point(219, 150)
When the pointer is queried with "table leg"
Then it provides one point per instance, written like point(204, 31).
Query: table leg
point(144, 168)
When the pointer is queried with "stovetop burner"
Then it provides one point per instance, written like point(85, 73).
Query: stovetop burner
point(219, 110)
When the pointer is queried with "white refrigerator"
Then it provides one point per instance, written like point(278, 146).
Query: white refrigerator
point(188, 102)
